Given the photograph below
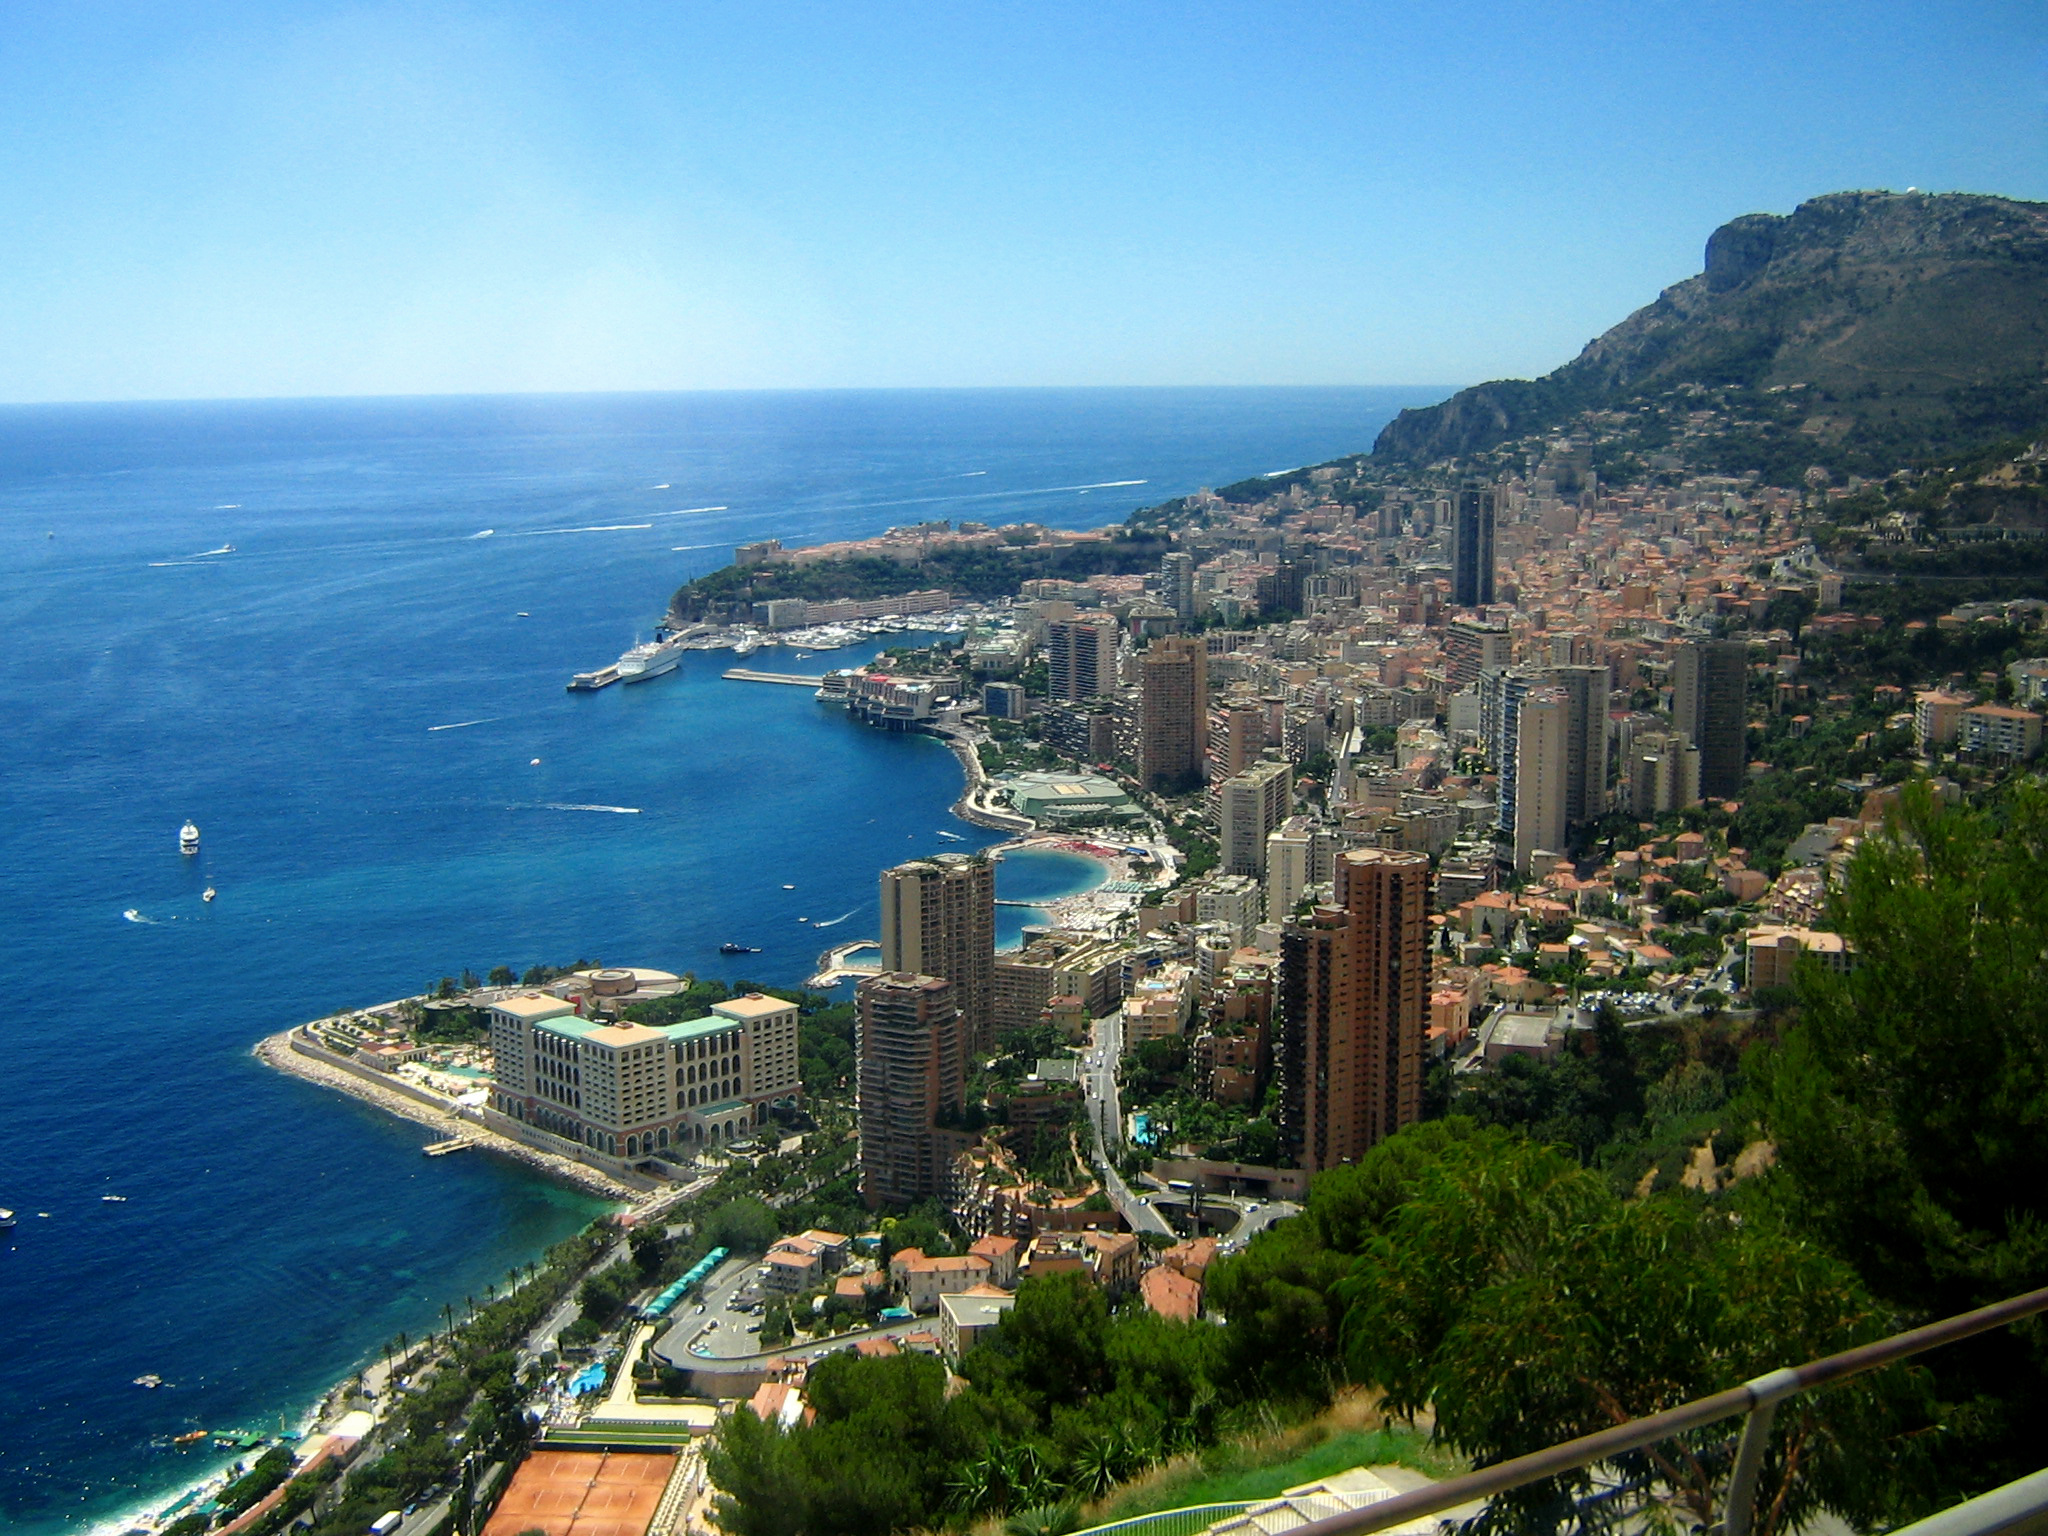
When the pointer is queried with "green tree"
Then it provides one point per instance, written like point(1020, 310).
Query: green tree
point(1907, 1100)
point(649, 1249)
point(878, 1459)
point(745, 1225)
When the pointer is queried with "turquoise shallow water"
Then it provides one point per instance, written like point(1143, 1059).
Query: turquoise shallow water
point(283, 696)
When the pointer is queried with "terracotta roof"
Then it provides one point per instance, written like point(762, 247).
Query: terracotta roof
point(1171, 1294)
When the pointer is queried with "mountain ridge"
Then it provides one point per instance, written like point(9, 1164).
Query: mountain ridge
point(1918, 320)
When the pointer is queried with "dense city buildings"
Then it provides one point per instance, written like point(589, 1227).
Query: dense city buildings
point(1354, 984)
point(1173, 713)
point(912, 1073)
point(939, 919)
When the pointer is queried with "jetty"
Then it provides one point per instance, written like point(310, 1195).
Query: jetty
point(836, 964)
point(443, 1148)
point(792, 679)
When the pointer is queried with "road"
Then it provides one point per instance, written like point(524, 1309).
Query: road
point(712, 1304)
point(1105, 1118)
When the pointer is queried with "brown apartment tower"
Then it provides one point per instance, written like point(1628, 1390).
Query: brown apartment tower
point(912, 1076)
point(1173, 713)
point(1354, 981)
point(939, 919)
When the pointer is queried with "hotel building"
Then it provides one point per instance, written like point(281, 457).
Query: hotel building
point(615, 1092)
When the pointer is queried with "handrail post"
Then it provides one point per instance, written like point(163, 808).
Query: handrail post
point(1738, 1508)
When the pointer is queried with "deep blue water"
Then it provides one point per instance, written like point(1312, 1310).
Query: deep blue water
point(282, 696)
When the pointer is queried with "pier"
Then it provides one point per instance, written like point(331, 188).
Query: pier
point(749, 675)
point(452, 1144)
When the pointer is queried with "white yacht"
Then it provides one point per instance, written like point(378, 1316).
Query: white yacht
point(6, 1220)
point(188, 839)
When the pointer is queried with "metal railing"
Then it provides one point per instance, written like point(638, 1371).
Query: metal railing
point(1758, 1399)
point(1171, 1522)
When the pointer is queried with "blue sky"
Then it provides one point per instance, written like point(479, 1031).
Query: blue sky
point(217, 199)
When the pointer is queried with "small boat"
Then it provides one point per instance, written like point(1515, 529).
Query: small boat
point(188, 839)
point(803, 919)
point(208, 894)
point(152, 1381)
point(191, 1437)
point(789, 887)
point(115, 1199)
point(6, 1220)
point(522, 614)
point(739, 949)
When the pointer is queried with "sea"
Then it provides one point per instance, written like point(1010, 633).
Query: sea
point(335, 634)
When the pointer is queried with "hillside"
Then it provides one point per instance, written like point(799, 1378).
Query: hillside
point(1863, 329)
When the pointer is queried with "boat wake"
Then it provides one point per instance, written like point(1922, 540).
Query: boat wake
point(534, 533)
point(691, 511)
point(678, 548)
point(459, 724)
point(953, 835)
point(833, 922)
point(616, 810)
point(134, 915)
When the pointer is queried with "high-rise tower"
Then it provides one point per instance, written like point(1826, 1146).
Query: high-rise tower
point(1250, 807)
point(1080, 658)
point(1177, 583)
point(1472, 547)
point(1354, 979)
point(1542, 772)
point(912, 1075)
point(939, 919)
point(1173, 712)
point(1587, 687)
point(1709, 705)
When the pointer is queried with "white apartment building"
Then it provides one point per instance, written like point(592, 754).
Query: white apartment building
point(1250, 807)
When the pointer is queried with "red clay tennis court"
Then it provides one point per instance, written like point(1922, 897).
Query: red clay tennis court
point(583, 1493)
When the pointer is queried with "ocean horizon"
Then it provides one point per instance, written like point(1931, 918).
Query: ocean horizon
point(335, 634)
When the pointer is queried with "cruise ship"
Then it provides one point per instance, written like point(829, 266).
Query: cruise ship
point(651, 659)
